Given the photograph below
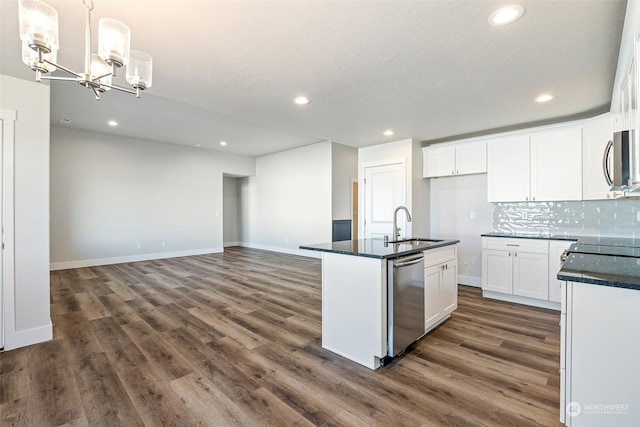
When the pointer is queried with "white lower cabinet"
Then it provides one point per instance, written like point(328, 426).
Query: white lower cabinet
point(518, 270)
point(440, 285)
point(530, 275)
point(600, 349)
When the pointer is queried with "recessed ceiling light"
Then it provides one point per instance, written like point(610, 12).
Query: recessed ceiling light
point(223, 143)
point(545, 97)
point(65, 120)
point(112, 123)
point(506, 15)
point(388, 132)
point(301, 100)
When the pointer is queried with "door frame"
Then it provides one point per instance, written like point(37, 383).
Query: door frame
point(7, 283)
point(361, 188)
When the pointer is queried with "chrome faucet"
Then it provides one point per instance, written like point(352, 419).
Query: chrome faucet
point(396, 230)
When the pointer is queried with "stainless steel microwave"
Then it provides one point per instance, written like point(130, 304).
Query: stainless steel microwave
point(621, 164)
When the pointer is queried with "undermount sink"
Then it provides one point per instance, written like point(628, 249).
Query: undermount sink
point(415, 241)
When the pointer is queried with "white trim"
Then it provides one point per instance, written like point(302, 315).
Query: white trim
point(26, 337)
point(8, 331)
point(470, 281)
point(290, 251)
point(522, 300)
point(131, 258)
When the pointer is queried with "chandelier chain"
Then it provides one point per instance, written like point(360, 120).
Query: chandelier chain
point(88, 4)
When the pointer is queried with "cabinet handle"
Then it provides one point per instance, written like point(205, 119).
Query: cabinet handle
point(457, 172)
point(509, 253)
point(526, 198)
point(533, 198)
point(512, 244)
point(515, 254)
point(453, 172)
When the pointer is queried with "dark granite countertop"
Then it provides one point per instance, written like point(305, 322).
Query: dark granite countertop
point(376, 248)
point(605, 270)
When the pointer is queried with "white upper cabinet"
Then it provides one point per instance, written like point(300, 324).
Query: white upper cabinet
point(544, 166)
point(508, 169)
point(460, 159)
point(556, 165)
point(595, 135)
point(438, 161)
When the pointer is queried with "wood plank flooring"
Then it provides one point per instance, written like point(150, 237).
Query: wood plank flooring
point(234, 339)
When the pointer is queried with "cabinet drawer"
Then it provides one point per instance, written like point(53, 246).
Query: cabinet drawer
point(516, 245)
point(439, 255)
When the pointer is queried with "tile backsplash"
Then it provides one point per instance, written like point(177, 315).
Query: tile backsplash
point(619, 218)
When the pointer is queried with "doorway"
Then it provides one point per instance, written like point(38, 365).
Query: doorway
point(354, 210)
point(384, 190)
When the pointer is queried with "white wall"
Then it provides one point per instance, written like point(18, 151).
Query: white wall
point(288, 202)
point(416, 189)
point(110, 194)
point(344, 166)
point(231, 210)
point(453, 199)
point(31, 320)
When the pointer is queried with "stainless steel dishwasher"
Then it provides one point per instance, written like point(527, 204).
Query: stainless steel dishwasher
point(405, 302)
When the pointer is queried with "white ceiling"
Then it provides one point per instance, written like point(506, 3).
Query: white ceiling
point(430, 70)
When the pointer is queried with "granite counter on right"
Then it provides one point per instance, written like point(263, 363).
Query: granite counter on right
point(599, 342)
point(603, 261)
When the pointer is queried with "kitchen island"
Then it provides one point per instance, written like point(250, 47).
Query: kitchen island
point(355, 276)
point(600, 344)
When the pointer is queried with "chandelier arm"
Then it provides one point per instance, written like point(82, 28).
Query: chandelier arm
point(68, 79)
point(95, 79)
point(122, 89)
point(65, 69)
point(96, 92)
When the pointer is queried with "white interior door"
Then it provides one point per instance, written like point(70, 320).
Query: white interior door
point(383, 191)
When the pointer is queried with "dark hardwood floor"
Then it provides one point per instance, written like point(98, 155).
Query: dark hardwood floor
point(234, 339)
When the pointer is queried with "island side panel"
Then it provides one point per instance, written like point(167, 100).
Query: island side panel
point(354, 307)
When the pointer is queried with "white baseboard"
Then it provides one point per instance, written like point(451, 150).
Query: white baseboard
point(470, 281)
point(131, 258)
point(522, 300)
point(290, 251)
point(229, 244)
point(17, 339)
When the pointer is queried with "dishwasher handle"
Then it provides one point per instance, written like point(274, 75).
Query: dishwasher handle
point(403, 262)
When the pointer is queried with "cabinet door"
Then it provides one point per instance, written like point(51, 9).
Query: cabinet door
point(556, 165)
point(497, 271)
point(432, 304)
point(508, 169)
point(531, 275)
point(471, 158)
point(555, 250)
point(595, 135)
point(438, 161)
point(449, 287)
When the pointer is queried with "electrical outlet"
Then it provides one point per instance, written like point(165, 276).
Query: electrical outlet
point(472, 215)
point(638, 215)
point(164, 244)
point(139, 245)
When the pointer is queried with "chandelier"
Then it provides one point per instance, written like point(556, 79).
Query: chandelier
point(39, 34)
